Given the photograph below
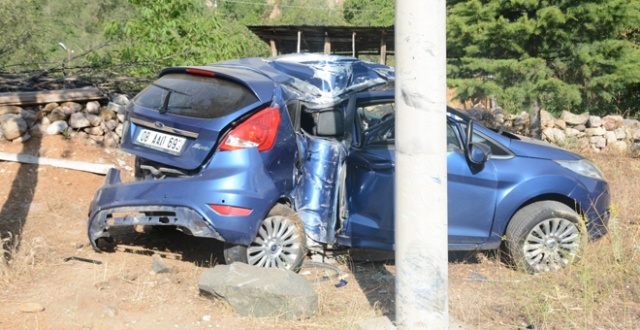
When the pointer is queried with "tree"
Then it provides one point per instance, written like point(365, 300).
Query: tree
point(21, 33)
point(369, 12)
point(245, 12)
point(305, 12)
point(562, 55)
point(181, 32)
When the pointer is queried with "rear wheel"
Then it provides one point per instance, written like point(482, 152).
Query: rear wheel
point(544, 236)
point(280, 243)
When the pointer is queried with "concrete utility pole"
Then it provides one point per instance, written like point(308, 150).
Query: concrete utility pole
point(421, 165)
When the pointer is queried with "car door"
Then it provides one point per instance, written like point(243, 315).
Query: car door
point(471, 192)
point(370, 178)
point(370, 184)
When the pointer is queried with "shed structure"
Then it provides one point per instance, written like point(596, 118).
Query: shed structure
point(340, 40)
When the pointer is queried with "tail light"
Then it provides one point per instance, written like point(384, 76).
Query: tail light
point(230, 210)
point(260, 131)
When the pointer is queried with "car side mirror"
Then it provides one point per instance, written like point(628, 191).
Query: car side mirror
point(477, 153)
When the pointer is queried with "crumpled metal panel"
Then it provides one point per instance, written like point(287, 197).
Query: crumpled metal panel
point(317, 191)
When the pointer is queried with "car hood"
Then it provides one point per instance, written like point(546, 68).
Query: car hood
point(528, 147)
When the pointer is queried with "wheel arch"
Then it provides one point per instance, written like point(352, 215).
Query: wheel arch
point(556, 197)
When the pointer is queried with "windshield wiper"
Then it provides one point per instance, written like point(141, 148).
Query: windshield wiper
point(165, 103)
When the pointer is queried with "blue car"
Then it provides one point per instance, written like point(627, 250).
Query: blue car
point(295, 154)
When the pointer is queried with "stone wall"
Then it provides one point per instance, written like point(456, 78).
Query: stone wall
point(582, 131)
point(101, 123)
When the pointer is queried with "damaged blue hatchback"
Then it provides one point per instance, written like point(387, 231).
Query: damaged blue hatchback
point(294, 154)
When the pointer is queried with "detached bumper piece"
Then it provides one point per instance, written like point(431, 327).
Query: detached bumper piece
point(184, 218)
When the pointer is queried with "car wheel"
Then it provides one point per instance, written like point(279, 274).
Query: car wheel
point(280, 243)
point(544, 236)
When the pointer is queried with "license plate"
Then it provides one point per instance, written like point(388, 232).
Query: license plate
point(161, 141)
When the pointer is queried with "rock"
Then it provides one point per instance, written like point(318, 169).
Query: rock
point(49, 107)
point(620, 133)
point(612, 122)
point(634, 132)
point(29, 117)
point(93, 131)
point(120, 117)
point(97, 138)
point(561, 124)
point(598, 131)
point(109, 125)
point(119, 129)
point(120, 99)
point(45, 121)
point(13, 126)
point(56, 114)
point(111, 140)
point(70, 107)
point(610, 137)
point(107, 114)
point(92, 107)
point(23, 138)
point(37, 130)
point(631, 123)
point(159, 266)
point(57, 127)
point(79, 120)
point(7, 109)
point(94, 119)
point(117, 108)
point(594, 121)
point(573, 119)
point(260, 292)
point(572, 132)
point(31, 308)
point(598, 141)
point(545, 118)
point(580, 128)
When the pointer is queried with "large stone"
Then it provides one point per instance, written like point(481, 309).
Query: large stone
point(13, 126)
point(57, 127)
point(117, 108)
point(92, 107)
point(594, 121)
point(6, 109)
point(598, 131)
point(79, 120)
point(70, 107)
point(120, 99)
point(573, 119)
point(107, 114)
point(261, 292)
point(94, 119)
point(49, 107)
point(545, 118)
point(111, 140)
point(56, 114)
point(621, 133)
point(612, 122)
point(30, 117)
point(598, 142)
point(634, 132)
point(610, 137)
point(572, 132)
point(94, 130)
point(561, 123)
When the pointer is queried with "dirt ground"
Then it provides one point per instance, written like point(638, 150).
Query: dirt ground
point(42, 290)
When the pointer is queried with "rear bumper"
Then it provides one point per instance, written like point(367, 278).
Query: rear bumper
point(183, 202)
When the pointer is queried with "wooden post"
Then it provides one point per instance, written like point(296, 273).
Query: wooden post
point(383, 49)
point(353, 44)
point(327, 44)
point(274, 49)
point(299, 37)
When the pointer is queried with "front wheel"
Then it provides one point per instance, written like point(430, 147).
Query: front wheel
point(544, 236)
point(280, 243)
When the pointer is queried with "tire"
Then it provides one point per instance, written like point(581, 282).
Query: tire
point(544, 236)
point(280, 243)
